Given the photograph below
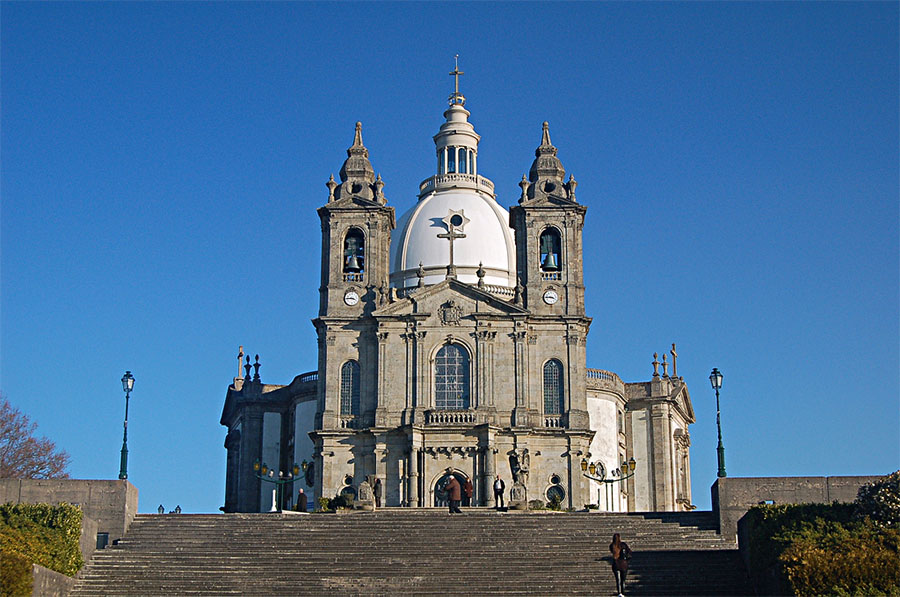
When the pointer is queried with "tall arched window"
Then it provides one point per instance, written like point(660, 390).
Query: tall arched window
point(350, 388)
point(354, 251)
point(550, 250)
point(451, 378)
point(451, 164)
point(553, 387)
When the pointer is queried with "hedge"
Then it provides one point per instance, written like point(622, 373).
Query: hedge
point(823, 549)
point(41, 534)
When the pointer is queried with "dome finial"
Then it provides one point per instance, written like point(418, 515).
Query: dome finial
point(545, 138)
point(456, 97)
point(357, 137)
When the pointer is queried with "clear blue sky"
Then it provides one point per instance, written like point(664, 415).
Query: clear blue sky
point(162, 163)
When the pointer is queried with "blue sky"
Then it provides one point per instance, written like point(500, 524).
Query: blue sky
point(162, 163)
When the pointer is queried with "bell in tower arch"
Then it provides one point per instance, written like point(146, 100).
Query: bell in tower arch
point(353, 251)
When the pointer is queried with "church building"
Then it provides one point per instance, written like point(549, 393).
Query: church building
point(451, 342)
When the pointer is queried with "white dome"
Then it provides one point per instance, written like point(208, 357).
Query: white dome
point(488, 240)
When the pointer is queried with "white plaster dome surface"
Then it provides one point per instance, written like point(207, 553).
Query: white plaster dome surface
point(488, 240)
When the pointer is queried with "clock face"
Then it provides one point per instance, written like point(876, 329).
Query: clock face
point(351, 297)
point(550, 297)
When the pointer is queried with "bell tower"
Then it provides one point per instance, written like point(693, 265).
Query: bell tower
point(548, 226)
point(356, 237)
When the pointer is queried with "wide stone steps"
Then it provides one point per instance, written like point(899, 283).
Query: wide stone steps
point(419, 552)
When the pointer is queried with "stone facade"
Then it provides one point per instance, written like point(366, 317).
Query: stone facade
point(428, 373)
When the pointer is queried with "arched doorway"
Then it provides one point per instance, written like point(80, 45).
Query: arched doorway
point(440, 494)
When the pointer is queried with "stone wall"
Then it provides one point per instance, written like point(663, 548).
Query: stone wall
point(111, 504)
point(48, 583)
point(733, 496)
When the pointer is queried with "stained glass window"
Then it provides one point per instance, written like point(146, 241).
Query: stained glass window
point(553, 388)
point(350, 388)
point(451, 377)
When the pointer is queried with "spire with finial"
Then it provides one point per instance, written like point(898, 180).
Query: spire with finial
point(655, 365)
point(480, 273)
point(665, 367)
point(420, 274)
point(547, 175)
point(247, 368)
point(357, 175)
point(255, 369)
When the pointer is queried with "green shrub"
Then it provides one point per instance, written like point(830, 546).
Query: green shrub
point(43, 534)
point(536, 505)
point(816, 549)
point(880, 501)
point(323, 504)
point(15, 575)
point(339, 501)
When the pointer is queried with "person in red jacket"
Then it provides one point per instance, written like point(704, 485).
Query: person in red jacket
point(467, 492)
point(453, 494)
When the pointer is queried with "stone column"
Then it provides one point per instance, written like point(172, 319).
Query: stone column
point(520, 416)
point(413, 478)
point(487, 476)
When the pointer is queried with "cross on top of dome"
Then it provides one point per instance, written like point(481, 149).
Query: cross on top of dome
point(456, 97)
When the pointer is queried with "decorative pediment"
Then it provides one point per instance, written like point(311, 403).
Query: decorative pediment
point(682, 399)
point(451, 300)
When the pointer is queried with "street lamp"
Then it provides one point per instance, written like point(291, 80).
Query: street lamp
point(715, 378)
point(595, 471)
point(127, 385)
point(264, 473)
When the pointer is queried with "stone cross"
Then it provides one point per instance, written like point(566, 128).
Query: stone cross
point(674, 356)
point(451, 235)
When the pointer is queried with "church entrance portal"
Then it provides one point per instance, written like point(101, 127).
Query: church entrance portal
point(440, 494)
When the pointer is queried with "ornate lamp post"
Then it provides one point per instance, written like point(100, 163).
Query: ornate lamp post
point(595, 471)
point(127, 385)
point(264, 473)
point(715, 378)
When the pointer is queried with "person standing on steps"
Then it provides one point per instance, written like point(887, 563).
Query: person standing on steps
point(467, 493)
point(620, 555)
point(499, 487)
point(453, 495)
point(301, 501)
point(377, 492)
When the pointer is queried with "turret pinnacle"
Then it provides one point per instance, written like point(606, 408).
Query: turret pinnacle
point(357, 174)
point(547, 175)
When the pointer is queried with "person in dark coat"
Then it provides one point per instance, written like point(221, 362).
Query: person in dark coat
point(468, 489)
point(301, 501)
point(377, 492)
point(620, 554)
point(453, 494)
point(499, 487)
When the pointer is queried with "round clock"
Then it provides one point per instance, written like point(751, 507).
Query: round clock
point(351, 297)
point(550, 297)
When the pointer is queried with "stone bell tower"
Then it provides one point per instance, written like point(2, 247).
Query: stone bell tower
point(356, 239)
point(548, 227)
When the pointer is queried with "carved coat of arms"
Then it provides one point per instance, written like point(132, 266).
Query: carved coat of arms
point(451, 313)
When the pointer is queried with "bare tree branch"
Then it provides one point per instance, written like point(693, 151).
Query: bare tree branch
point(23, 456)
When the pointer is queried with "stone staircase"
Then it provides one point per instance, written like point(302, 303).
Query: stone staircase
point(415, 552)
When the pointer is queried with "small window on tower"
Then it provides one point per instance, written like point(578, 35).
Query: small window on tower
point(463, 160)
point(550, 250)
point(354, 252)
point(451, 165)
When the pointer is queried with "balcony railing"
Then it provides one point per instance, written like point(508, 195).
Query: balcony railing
point(449, 417)
point(553, 421)
point(470, 181)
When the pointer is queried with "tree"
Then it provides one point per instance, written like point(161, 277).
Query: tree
point(23, 456)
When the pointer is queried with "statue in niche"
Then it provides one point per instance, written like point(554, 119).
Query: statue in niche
point(519, 462)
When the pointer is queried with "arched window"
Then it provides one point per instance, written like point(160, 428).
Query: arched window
point(471, 162)
point(451, 155)
point(550, 250)
point(553, 387)
point(354, 251)
point(350, 388)
point(463, 160)
point(451, 378)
